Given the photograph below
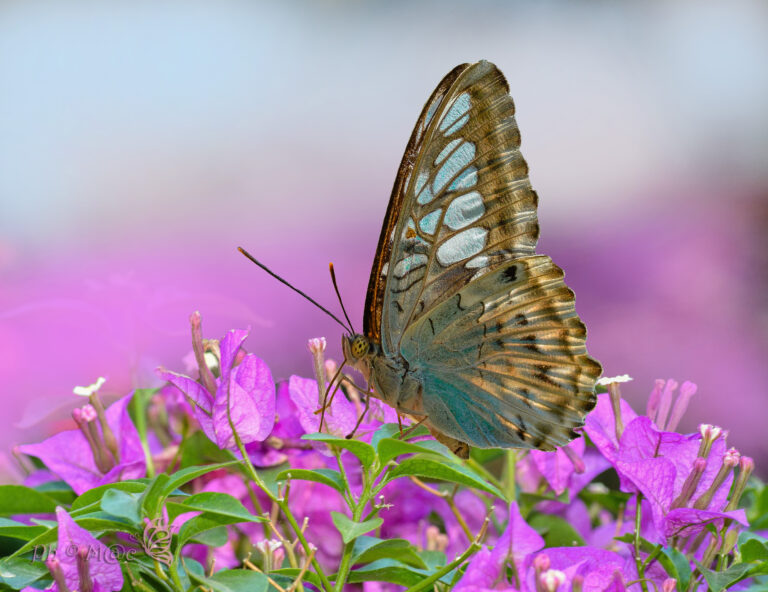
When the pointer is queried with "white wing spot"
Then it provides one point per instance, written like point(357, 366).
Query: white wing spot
point(460, 106)
point(461, 157)
point(430, 113)
point(426, 195)
point(421, 180)
point(467, 179)
point(462, 246)
point(464, 210)
point(457, 126)
point(385, 268)
point(447, 150)
point(479, 261)
point(405, 265)
point(429, 222)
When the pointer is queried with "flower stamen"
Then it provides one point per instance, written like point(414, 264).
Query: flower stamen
point(730, 460)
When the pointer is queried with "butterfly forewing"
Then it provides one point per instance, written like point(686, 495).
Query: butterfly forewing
point(377, 282)
point(467, 203)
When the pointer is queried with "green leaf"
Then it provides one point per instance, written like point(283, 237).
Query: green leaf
point(555, 531)
point(233, 580)
point(350, 530)
point(368, 549)
point(362, 450)
point(93, 496)
point(184, 476)
point(122, 504)
point(193, 527)
point(752, 547)
point(57, 490)
point(142, 573)
point(722, 580)
point(17, 499)
point(427, 467)
point(757, 512)
point(677, 566)
point(214, 537)
point(325, 476)
point(153, 497)
point(18, 530)
point(19, 573)
point(434, 559)
point(388, 570)
point(392, 430)
point(220, 504)
point(164, 485)
point(389, 448)
point(387, 430)
point(219, 509)
point(269, 476)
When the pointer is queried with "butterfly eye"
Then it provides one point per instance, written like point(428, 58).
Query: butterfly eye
point(360, 346)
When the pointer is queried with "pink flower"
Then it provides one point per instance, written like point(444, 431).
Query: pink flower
point(70, 455)
point(81, 561)
point(243, 393)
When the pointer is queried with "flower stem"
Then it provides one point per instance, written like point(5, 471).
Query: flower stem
point(509, 475)
point(357, 513)
point(175, 575)
point(638, 560)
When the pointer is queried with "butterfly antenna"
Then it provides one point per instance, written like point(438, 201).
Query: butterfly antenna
point(295, 289)
point(338, 295)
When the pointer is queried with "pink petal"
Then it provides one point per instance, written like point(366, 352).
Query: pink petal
point(105, 572)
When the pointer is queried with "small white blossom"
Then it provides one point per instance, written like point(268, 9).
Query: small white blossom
point(87, 391)
point(316, 345)
point(606, 380)
point(270, 545)
point(552, 579)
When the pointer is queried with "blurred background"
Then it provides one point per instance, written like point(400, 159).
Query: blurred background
point(141, 143)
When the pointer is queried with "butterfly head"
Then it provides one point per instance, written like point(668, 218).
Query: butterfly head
point(358, 346)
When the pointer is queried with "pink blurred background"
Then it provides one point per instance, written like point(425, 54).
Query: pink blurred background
point(141, 143)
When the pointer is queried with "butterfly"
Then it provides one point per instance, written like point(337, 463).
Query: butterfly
point(466, 328)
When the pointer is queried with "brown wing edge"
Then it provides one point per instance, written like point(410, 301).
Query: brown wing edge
point(375, 293)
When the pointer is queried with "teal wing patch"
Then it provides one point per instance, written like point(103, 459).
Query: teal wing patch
point(504, 361)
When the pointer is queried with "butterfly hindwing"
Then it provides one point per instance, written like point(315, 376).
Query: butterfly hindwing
point(504, 361)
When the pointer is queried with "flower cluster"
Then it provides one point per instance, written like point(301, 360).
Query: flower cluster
point(224, 479)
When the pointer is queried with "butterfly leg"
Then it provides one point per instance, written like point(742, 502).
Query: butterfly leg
point(459, 448)
point(411, 428)
point(363, 414)
point(326, 401)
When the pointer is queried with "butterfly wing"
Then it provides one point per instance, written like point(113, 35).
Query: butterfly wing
point(377, 283)
point(463, 198)
point(504, 362)
point(461, 222)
